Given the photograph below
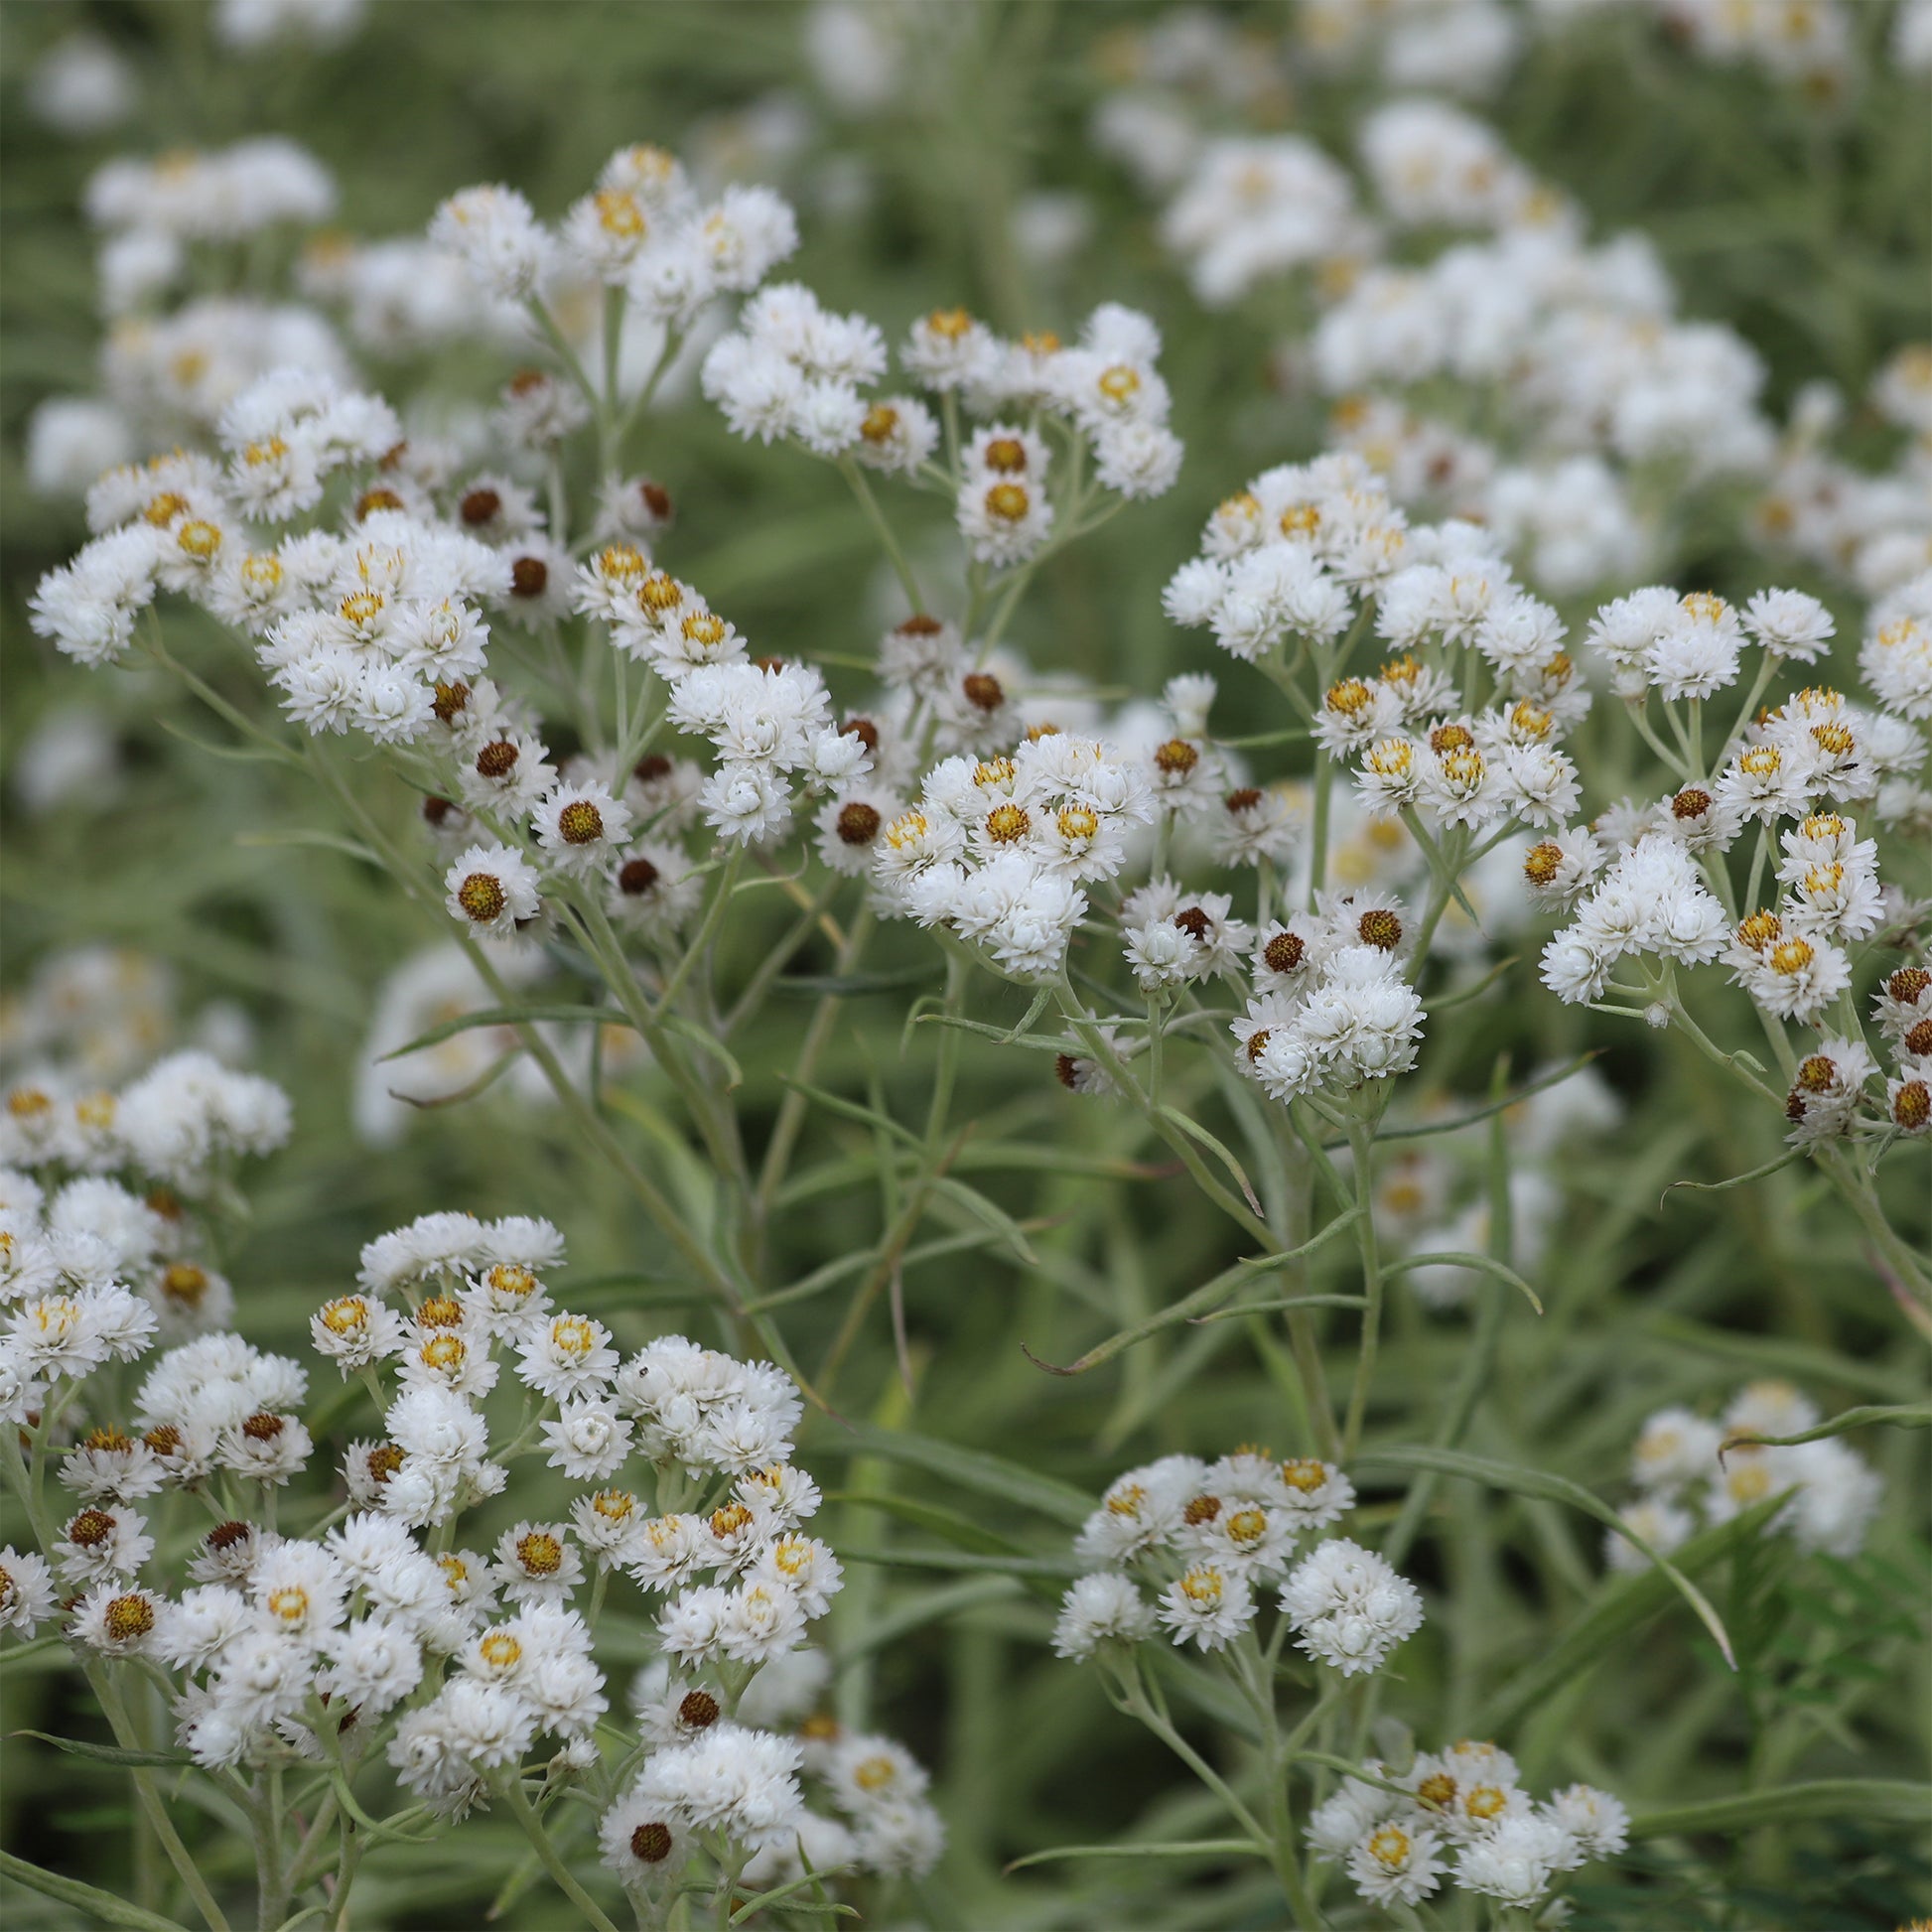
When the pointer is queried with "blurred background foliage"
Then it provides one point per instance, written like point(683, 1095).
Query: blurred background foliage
point(1806, 231)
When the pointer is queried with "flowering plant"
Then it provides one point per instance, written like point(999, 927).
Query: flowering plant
point(716, 746)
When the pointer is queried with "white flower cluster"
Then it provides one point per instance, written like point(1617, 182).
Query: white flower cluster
point(1395, 1834)
point(1813, 47)
point(221, 196)
point(100, 1013)
point(288, 1647)
point(1691, 1471)
point(795, 369)
point(1654, 881)
point(1289, 558)
point(178, 1124)
point(642, 228)
point(1331, 1008)
point(1595, 386)
point(1870, 527)
point(754, 1779)
point(1205, 1536)
point(997, 847)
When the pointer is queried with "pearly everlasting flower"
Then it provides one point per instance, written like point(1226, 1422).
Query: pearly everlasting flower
point(496, 233)
point(1208, 1605)
point(579, 826)
point(1391, 1863)
point(1348, 1607)
point(1101, 1608)
point(1516, 1861)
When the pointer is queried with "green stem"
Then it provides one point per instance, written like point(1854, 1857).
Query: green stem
point(707, 932)
point(532, 1828)
point(895, 555)
point(1361, 1139)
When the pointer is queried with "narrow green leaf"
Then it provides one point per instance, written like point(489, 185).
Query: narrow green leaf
point(1350, 1768)
point(1626, 1602)
point(823, 1908)
point(990, 1215)
point(235, 754)
point(969, 1468)
point(1286, 1301)
point(508, 1017)
point(34, 1649)
point(1465, 995)
point(1190, 1308)
point(1502, 1106)
point(1195, 1131)
point(109, 1754)
point(1032, 1013)
point(1483, 1264)
point(1784, 1160)
point(834, 1103)
point(965, 1560)
point(100, 1906)
point(1768, 1354)
point(914, 1610)
point(1556, 1490)
point(1909, 1804)
point(483, 1081)
point(1036, 1042)
point(310, 841)
point(1186, 1848)
point(949, 1523)
point(1896, 1415)
point(706, 1043)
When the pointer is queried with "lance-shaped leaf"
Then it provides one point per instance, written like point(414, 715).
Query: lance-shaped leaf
point(1194, 1307)
point(1780, 1804)
point(95, 1906)
point(1892, 1415)
point(508, 1017)
point(990, 1475)
point(1556, 1490)
point(1186, 1847)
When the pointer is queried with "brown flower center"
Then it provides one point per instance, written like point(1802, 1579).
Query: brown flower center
point(858, 823)
point(481, 896)
point(1284, 952)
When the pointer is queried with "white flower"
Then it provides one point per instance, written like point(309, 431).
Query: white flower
point(566, 1355)
point(1791, 626)
point(373, 1664)
point(1210, 1604)
point(1392, 1863)
point(589, 1440)
point(1599, 1823)
point(496, 232)
point(1350, 1609)
point(101, 1545)
point(1104, 1607)
point(536, 1563)
point(760, 1620)
point(120, 1622)
point(744, 1782)
point(579, 825)
point(1673, 1446)
point(1516, 1862)
point(1003, 519)
point(643, 1840)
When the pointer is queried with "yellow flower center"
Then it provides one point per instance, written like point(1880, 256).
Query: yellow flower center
point(1389, 1847)
point(539, 1553)
point(1008, 501)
